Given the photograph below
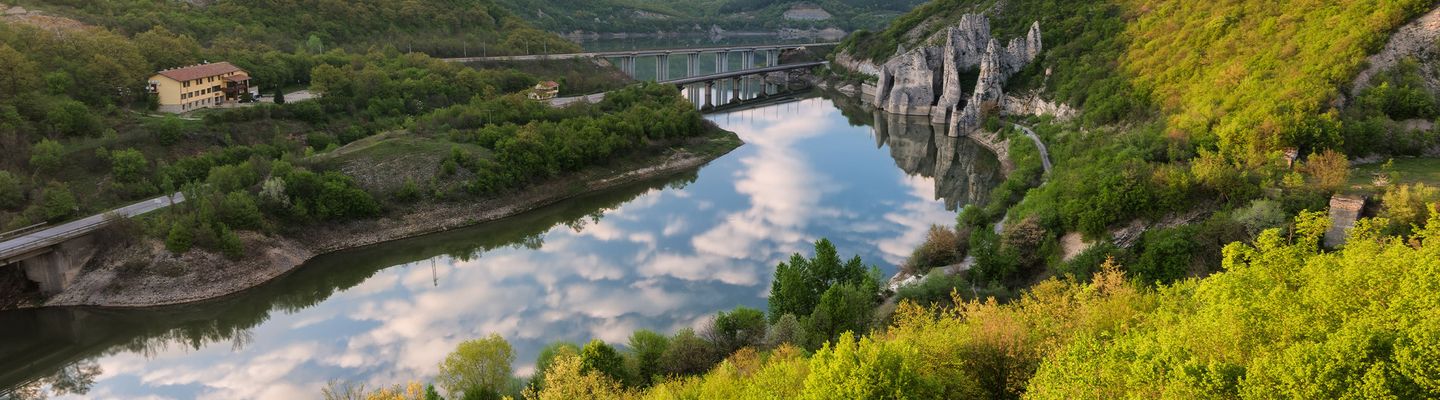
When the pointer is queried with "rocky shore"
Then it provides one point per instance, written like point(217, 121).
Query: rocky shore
point(142, 274)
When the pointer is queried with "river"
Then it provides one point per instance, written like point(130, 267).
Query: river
point(659, 255)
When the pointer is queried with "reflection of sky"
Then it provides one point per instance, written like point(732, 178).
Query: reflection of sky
point(663, 261)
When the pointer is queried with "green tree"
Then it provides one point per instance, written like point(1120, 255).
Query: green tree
point(799, 283)
point(230, 244)
point(647, 349)
point(165, 49)
point(866, 369)
point(72, 118)
point(1409, 206)
point(180, 238)
point(128, 165)
point(477, 366)
point(12, 194)
point(238, 209)
point(547, 357)
point(598, 357)
point(736, 329)
point(786, 330)
point(17, 73)
point(168, 130)
point(688, 354)
point(56, 202)
point(47, 156)
point(843, 308)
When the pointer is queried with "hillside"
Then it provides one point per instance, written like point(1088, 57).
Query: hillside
point(439, 28)
point(641, 16)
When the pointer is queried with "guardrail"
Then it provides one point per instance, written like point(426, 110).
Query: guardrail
point(17, 232)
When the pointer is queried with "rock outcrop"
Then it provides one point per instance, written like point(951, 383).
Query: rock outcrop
point(927, 80)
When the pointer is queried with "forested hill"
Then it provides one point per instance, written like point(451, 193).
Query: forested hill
point(639, 16)
point(1240, 76)
point(435, 27)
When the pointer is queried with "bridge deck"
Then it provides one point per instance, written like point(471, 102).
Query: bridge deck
point(11, 250)
point(745, 72)
point(628, 53)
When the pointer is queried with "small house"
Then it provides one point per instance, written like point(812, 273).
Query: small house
point(545, 90)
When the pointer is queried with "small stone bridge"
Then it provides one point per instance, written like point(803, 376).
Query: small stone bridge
point(53, 256)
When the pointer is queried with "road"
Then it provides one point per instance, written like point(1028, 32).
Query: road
point(60, 233)
point(1044, 153)
point(565, 101)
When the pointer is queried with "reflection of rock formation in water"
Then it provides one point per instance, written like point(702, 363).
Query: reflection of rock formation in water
point(964, 172)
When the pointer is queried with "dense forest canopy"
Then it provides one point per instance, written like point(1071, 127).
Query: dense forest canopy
point(641, 16)
point(442, 27)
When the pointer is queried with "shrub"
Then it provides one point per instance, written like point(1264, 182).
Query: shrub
point(547, 357)
point(230, 178)
point(230, 244)
point(843, 308)
point(46, 156)
point(180, 238)
point(128, 165)
point(238, 210)
point(1330, 169)
point(56, 203)
point(941, 248)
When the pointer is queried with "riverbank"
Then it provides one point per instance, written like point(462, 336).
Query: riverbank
point(142, 274)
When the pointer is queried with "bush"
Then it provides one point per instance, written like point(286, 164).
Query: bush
point(128, 165)
point(1167, 254)
point(56, 203)
point(547, 357)
point(230, 244)
point(238, 210)
point(942, 247)
point(47, 156)
point(168, 130)
point(230, 178)
point(180, 238)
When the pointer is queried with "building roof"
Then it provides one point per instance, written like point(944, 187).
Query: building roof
point(200, 71)
point(547, 85)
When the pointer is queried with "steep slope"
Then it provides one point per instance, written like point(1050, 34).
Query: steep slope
point(1242, 76)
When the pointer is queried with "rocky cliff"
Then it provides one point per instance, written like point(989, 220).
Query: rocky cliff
point(927, 80)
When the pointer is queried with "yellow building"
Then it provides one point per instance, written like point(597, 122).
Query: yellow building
point(200, 86)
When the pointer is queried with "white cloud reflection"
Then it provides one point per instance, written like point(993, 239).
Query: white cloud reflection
point(665, 260)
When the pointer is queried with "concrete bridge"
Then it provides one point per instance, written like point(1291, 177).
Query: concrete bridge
point(709, 81)
point(53, 256)
point(626, 59)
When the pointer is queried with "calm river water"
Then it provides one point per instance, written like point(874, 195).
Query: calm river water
point(659, 255)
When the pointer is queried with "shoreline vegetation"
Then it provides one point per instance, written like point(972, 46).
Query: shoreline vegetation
point(274, 256)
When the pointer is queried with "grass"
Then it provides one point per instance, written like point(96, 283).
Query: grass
point(1409, 170)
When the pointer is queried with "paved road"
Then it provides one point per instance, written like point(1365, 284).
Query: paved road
point(60, 233)
point(565, 101)
point(1044, 153)
point(626, 53)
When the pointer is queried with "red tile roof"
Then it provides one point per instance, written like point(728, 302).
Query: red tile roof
point(199, 71)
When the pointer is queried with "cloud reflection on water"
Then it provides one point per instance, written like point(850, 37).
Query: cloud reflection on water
point(666, 259)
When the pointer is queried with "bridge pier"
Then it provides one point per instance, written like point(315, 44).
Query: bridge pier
point(54, 271)
point(709, 88)
point(734, 89)
point(692, 65)
point(722, 61)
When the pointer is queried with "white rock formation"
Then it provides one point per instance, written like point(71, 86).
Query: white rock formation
point(927, 80)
